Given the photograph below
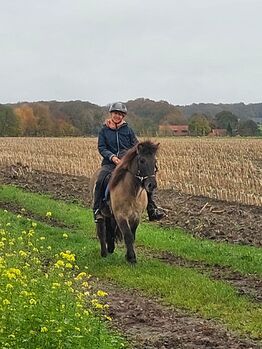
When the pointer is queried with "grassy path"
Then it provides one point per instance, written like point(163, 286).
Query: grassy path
point(181, 287)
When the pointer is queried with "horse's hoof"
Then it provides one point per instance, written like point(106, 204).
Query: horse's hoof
point(131, 260)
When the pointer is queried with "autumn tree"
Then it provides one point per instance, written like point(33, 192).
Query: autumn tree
point(28, 121)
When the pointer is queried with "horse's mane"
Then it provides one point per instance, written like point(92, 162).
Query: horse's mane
point(144, 148)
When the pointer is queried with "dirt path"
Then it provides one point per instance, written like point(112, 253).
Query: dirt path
point(146, 322)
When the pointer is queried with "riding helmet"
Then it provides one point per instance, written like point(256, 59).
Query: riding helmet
point(118, 106)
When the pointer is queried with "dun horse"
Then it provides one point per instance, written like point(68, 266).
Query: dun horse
point(128, 186)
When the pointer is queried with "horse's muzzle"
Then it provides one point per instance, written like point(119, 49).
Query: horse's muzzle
point(150, 184)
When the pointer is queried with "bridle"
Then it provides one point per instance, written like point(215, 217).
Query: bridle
point(143, 178)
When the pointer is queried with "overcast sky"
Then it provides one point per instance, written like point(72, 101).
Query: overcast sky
point(181, 51)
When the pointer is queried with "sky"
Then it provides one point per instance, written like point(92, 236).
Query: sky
point(180, 51)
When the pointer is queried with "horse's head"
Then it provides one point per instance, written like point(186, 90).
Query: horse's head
point(145, 165)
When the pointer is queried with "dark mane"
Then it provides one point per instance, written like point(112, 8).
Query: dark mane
point(143, 148)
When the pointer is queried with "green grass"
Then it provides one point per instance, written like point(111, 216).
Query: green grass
point(243, 259)
point(180, 287)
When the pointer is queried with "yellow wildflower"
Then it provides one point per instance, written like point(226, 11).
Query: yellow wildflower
point(23, 254)
point(65, 236)
point(44, 329)
point(101, 293)
point(48, 214)
point(32, 301)
point(59, 263)
point(6, 302)
point(80, 276)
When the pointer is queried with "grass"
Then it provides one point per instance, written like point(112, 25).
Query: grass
point(180, 287)
point(243, 259)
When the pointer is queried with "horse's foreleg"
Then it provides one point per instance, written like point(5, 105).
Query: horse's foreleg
point(129, 240)
point(101, 233)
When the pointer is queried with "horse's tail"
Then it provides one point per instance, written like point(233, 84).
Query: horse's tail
point(112, 230)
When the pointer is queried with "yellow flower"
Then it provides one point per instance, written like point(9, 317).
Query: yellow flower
point(44, 329)
point(69, 265)
point(9, 286)
point(32, 301)
point(59, 263)
point(80, 276)
point(108, 317)
point(55, 285)
point(77, 329)
point(70, 257)
point(12, 273)
point(42, 238)
point(34, 224)
point(6, 302)
point(48, 214)
point(65, 236)
point(18, 216)
point(23, 254)
point(101, 293)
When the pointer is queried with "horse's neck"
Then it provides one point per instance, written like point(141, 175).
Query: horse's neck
point(131, 185)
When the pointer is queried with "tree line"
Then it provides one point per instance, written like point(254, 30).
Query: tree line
point(77, 118)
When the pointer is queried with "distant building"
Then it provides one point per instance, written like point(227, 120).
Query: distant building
point(173, 130)
point(218, 132)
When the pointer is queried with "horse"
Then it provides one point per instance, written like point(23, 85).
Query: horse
point(128, 187)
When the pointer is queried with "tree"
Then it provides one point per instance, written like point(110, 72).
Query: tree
point(174, 118)
point(248, 128)
point(199, 125)
point(28, 121)
point(226, 120)
point(9, 123)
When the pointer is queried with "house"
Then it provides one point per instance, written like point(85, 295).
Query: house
point(218, 132)
point(173, 130)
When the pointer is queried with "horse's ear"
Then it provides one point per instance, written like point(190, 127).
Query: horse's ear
point(138, 148)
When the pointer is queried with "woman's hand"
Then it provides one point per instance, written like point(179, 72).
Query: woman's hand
point(116, 160)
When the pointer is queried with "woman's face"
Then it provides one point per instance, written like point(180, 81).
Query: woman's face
point(117, 116)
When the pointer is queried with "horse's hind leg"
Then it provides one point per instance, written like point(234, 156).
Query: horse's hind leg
point(129, 240)
point(101, 233)
point(110, 234)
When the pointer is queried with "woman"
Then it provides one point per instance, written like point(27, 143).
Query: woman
point(114, 139)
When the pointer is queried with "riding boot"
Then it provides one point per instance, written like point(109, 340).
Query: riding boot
point(97, 204)
point(154, 213)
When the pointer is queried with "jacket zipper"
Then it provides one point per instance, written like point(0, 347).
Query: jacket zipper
point(117, 142)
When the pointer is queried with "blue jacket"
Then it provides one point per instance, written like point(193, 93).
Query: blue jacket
point(115, 142)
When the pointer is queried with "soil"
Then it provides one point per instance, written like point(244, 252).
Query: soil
point(146, 322)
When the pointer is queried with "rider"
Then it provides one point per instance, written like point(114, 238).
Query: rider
point(114, 139)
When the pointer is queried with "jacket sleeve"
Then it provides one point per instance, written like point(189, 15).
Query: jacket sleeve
point(133, 139)
point(102, 146)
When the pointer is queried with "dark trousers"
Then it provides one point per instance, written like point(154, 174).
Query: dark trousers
point(101, 186)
